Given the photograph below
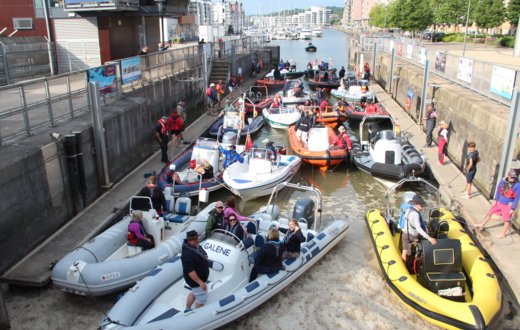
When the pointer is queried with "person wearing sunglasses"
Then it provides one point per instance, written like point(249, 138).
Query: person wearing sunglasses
point(215, 218)
point(234, 227)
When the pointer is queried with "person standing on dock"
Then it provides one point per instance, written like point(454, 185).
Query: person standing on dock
point(442, 141)
point(505, 203)
point(161, 135)
point(431, 121)
point(472, 158)
point(211, 93)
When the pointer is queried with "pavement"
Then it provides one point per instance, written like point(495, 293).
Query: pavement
point(35, 268)
point(503, 251)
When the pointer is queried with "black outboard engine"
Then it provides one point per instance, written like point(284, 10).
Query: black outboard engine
point(304, 209)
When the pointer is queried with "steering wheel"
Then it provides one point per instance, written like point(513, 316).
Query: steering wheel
point(235, 237)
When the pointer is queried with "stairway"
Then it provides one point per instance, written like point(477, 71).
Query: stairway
point(220, 71)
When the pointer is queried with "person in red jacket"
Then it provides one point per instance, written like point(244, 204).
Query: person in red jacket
point(176, 126)
point(342, 141)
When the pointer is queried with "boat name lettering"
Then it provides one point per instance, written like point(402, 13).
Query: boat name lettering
point(110, 276)
point(217, 248)
point(416, 297)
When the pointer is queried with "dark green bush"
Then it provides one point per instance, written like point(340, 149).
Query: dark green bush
point(507, 41)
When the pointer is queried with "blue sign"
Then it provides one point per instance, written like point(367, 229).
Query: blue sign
point(130, 70)
point(105, 76)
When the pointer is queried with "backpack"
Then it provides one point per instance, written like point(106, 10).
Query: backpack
point(208, 91)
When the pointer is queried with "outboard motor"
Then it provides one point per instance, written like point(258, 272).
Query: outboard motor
point(304, 209)
point(229, 138)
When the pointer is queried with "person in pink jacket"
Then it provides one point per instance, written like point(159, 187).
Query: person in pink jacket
point(230, 209)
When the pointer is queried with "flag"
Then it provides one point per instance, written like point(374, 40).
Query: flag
point(249, 142)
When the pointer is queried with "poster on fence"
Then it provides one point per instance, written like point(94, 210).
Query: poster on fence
point(465, 69)
point(440, 61)
point(409, 51)
point(105, 76)
point(502, 82)
point(399, 49)
point(422, 56)
point(130, 70)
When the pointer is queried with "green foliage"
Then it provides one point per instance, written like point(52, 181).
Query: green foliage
point(378, 16)
point(513, 11)
point(489, 13)
point(411, 15)
point(507, 41)
point(449, 11)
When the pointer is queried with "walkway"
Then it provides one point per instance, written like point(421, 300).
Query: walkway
point(504, 251)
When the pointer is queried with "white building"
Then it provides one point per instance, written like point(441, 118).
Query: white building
point(201, 10)
point(229, 13)
point(314, 17)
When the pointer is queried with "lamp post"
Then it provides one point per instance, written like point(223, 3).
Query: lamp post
point(466, 31)
point(160, 8)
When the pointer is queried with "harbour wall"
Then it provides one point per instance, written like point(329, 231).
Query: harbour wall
point(470, 117)
point(45, 183)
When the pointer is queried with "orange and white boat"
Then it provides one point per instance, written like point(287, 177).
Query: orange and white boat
point(330, 117)
point(317, 151)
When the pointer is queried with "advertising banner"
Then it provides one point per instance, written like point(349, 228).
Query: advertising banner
point(130, 70)
point(465, 70)
point(106, 77)
point(409, 51)
point(502, 82)
point(422, 56)
point(440, 61)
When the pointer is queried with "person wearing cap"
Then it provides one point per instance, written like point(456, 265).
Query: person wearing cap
point(342, 141)
point(505, 202)
point(211, 93)
point(414, 226)
point(181, 109)
point(230, 155)
point(215, 218)
point(269, 145)
point(195, 269)
point(161, 135)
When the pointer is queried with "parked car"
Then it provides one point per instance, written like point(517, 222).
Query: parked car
point(437, 36)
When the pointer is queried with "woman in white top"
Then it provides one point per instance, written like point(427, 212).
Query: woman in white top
point(442, 140)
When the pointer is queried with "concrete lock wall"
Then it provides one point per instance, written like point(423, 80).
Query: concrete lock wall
point(42, 187)
point(470, 116)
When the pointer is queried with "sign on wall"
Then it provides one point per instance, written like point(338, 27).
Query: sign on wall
point(409, 51)
point(465, 70)
point(440, 61)
point(105, 76)
point(130, 70)
point(422, 56)
point(502, 82)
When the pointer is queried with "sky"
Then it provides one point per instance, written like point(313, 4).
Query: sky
point(259, 7)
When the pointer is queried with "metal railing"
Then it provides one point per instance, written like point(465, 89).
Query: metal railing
point(443, 65)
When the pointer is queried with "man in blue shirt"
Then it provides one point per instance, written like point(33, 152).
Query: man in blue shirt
point(230, 155)
point(505, 203)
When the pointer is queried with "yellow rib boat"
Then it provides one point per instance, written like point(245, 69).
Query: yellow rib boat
point(454, 263)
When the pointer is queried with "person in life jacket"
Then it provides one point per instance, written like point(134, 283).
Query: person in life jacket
point(211, 93)
point(230, 155)
point(302, 128)
point(277, 101)
point(269, 145)
point(269, 258)
point(221, 90)
point(505, 202)
point(137, 235)
point(155, 193)
point(161, 135)
point(414, 226)
point(176, 126)
point(342, 141)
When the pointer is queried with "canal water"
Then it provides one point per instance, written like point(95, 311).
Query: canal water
point(344, 290)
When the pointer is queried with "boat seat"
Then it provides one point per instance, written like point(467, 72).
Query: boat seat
point(310, 236)
point(251, 228)
point(169, 203)
point(248, 242)
point(133, 249)
point(182, 210)
point(259, 241)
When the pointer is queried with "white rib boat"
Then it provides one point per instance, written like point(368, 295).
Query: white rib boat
point(281, 117)
point(260, 172)
point(158, 300)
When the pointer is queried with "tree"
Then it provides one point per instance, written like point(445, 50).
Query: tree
point(411, 15)
point(513, 11)
point(230, 30)
point(489, 13)
point(449, 11)
point(378, 16)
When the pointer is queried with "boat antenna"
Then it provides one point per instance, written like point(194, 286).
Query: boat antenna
point(96, 302)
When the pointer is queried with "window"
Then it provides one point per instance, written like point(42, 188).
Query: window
point(23, 23)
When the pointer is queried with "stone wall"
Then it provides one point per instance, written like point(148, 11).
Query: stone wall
point(471, 117)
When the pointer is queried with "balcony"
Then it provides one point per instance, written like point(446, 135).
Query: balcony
point(104, 5)
point(171, 8)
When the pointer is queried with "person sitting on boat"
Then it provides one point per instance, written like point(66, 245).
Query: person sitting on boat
point(414, 226)
point(269, 145)
point(137, 235)
point(314, 114)
point(298, 90)
point(310, 44)
point(289, 67)
point(277, 101)
point(342, 87)
point(215, 218)
point(205, 170)
point(195, 270)
point(343, 105)
point(281, 65)
point(155, 193)
point(292, 240)
point(230, 155)
point(269, 258)
point(342, 141)
point(302, 128)
point(230, 210)
point(324, 105)
point(234, 227)
point(341, 73)
point(277, 75)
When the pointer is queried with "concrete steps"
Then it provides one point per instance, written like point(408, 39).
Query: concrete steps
point(220, 71)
